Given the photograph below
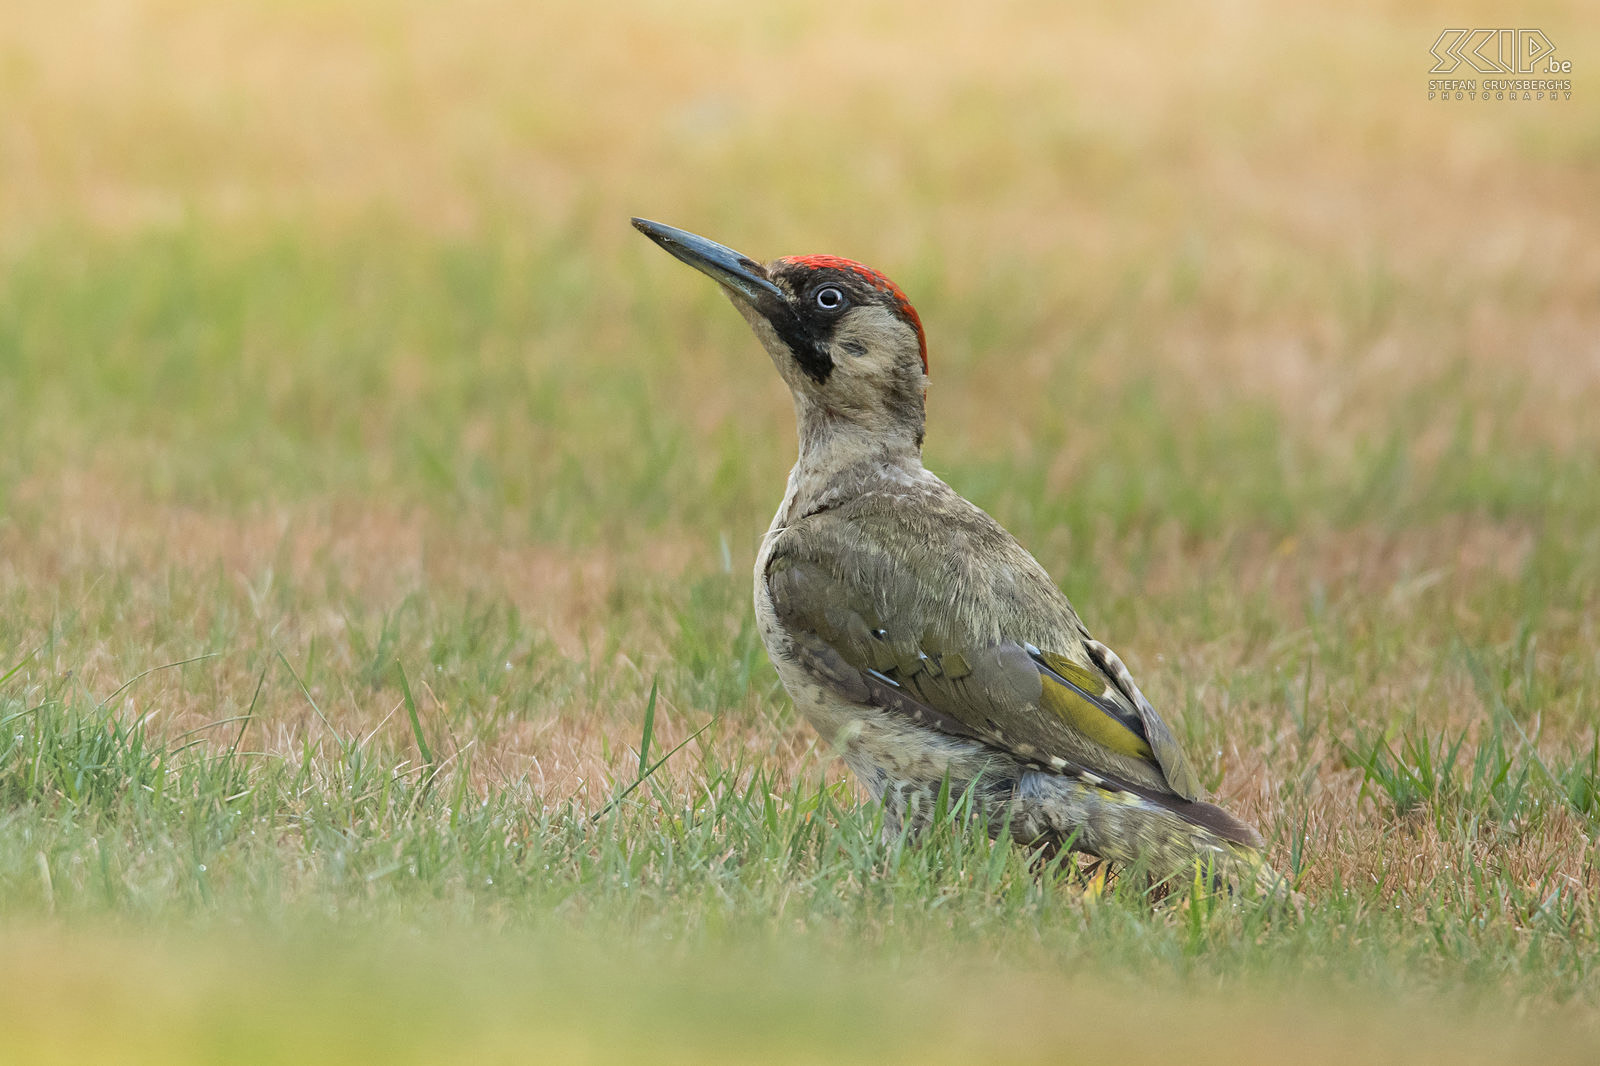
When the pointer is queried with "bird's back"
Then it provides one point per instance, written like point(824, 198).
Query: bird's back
point(926, 557)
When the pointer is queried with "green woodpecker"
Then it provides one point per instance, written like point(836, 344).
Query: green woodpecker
point(911, 629)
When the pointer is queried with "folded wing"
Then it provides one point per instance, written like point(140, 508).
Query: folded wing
point(1067, 707)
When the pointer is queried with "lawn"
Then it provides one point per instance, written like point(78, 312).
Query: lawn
point(377, 669)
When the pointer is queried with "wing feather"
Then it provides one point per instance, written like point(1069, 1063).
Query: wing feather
point(1063, 707)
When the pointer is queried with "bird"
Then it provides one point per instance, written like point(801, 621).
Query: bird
point(919, 636)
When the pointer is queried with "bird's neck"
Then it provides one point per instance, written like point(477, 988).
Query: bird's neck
point(842, 457)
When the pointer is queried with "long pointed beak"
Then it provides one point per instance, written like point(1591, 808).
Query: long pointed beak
point(727, 267)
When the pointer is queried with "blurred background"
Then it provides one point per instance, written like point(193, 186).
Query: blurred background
point(325, 345)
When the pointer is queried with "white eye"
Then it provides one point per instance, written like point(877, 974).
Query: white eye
point(829, 298)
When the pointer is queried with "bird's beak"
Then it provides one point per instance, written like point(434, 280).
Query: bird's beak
point(727, 267)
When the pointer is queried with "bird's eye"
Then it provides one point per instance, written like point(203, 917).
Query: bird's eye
point(829, 298)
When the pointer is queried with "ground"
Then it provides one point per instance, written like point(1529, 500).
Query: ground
point(376, 508)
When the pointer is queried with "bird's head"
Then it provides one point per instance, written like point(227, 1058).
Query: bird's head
point(844, 337)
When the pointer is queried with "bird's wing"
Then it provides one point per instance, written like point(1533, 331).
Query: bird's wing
point(1164, 746)
point(966, 666)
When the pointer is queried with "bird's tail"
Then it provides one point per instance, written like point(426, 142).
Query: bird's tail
point(1164, 834)
point(1240, 862)
point(1214, 819)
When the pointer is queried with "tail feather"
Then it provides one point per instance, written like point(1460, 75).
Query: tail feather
point(1207, 816)
point(1210, 816)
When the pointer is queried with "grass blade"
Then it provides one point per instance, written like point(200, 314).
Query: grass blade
point(307, 692)
point(416, 720)
point(26, 659)
point(649, 728)
point(136, 678)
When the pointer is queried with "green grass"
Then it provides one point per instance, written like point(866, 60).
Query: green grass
point(377, 669)
point(693, 848)
point(343, 870)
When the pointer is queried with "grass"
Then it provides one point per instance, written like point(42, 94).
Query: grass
point(376, 513)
